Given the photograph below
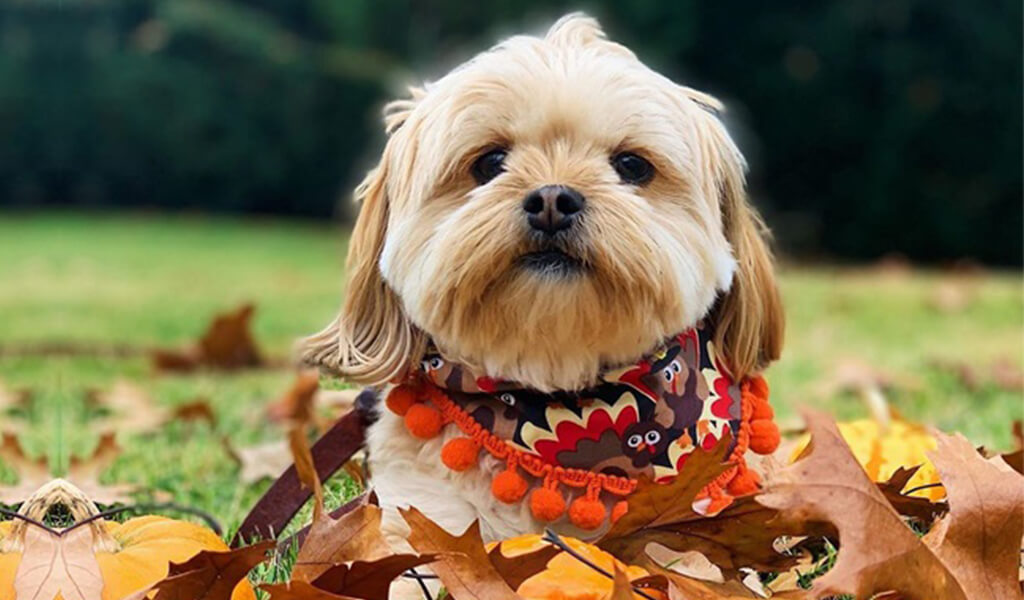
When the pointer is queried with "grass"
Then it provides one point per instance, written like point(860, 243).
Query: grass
point(100, 281)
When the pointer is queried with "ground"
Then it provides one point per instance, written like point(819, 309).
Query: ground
point(101, 288)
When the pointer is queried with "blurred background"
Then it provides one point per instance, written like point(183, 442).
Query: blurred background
point(872, 126)
point(163, 161)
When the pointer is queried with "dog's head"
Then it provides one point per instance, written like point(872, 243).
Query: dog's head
point(551, 206)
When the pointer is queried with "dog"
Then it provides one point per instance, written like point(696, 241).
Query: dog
point(547, 210)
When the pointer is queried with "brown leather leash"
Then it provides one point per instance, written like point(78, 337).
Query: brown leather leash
point(275, 509)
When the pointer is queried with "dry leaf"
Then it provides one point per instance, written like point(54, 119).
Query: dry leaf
point(980, 539)
point(226, 344)
point(209, 575)
point(370, 580)
point(915, 507)
point(878, 552)
point(63, 563)
point(299, 590)
point(297, 403)
point(18, 399)
point(84, 473)
point(263, 461)
point(739, 536)
point(519, 568)
point(132, 410)
point(681, 587)
point(463, 566)
point(355, 535)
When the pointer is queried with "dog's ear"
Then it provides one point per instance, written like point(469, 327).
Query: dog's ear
point(371, 341)
point(749, 320)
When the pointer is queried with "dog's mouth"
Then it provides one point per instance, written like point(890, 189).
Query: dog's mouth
point(551, 261)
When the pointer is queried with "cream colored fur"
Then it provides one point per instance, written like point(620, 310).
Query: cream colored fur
point(435, 256)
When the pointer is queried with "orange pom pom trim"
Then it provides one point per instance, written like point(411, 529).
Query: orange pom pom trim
point(460, 454)
point(587, 513)
point(423, 422)
point(619, 510)
point(401, 399)
point(764, 436)
point(745, 482)
point(508, 486)
point(547, 504)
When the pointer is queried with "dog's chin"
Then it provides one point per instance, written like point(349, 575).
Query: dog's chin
point(551, 262)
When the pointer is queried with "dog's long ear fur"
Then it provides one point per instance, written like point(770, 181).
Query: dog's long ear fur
point(749, 319)
point(371, 341)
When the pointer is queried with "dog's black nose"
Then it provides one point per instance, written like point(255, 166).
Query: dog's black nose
point(553, 208)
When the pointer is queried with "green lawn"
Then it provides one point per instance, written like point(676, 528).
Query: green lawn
point(103, 282)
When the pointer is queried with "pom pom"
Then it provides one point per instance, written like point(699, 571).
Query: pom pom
point(744, 482)
point(546, 504)
point(762, 411)
point(459, 454)
point(423, 421)
point(508, 486)
point(764, 436)
point(621, 508)
point(401, 399)
point(758, 387)
point(587, 513)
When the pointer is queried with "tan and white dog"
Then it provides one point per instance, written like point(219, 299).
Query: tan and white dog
point(551, 207)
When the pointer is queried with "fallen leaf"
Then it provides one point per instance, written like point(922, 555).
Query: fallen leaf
point(827, 484)
point(463, 566)
point(18, 399)
point(370, 580)
point(226, 344)
point(209, 575)
point(58, 563)
point(132, 410)
point(681, 587)
point(84, 473)
point(356, 535)
point(297, 403)
point(916, 507)
point(519, 568)
point(980, 540)
point(297, 590)
point(739, 536)
point(263, 461)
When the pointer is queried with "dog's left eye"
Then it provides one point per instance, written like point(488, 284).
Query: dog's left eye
point(489, 165)
point(633, 169)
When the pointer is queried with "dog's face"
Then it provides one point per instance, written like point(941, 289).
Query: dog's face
point(547, 208)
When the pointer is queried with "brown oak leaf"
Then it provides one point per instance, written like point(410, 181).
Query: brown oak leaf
point(980, 539)
point(519, 568)
point(226, 344)
point(463, 566)
point(878, 552)
point(208, 575)
point(739, 536)
point(916, 507)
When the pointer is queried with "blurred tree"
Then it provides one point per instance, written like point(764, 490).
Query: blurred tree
point(872, 126)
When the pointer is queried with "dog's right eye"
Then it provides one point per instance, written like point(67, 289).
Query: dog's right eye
point(489, 165)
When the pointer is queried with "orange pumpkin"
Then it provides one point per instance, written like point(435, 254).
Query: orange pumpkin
point(566, 578)
point(131, 555)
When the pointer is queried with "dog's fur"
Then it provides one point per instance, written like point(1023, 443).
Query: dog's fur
point(436, 256)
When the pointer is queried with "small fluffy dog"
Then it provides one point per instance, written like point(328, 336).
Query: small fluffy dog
point(548, 210)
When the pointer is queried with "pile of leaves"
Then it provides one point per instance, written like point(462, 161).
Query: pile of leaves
point(971, 548)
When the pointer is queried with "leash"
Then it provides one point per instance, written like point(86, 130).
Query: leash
point(285, 497)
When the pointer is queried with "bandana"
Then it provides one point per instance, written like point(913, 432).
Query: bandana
point(640, 420)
